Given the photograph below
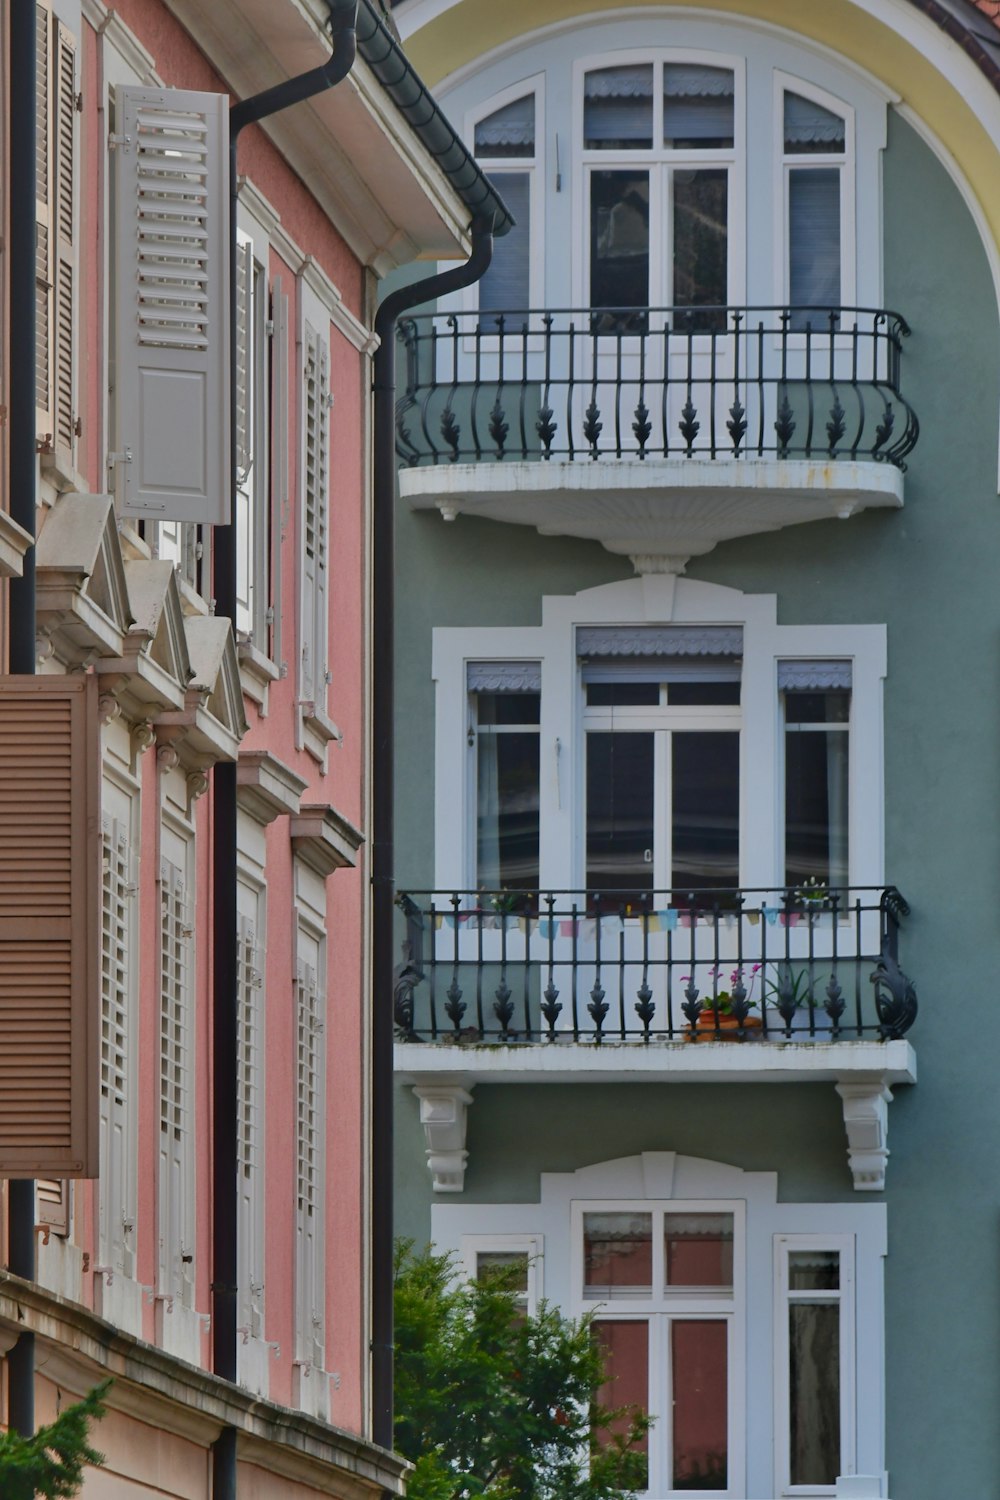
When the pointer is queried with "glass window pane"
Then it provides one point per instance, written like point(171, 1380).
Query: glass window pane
point(618, 108)
point(699, 1384)
point(814, 1386)
point(813, 241)
point(811, 128)
point(620, 812)
point(831, 707)
point(627, 694)
point(626, 1370)
point(706, 811)
point(814, 1270)
point(509, 131)
point(504, 288)
point(700, 694)
point(617, 1255)
point(512, 1265)
point(698, 1249)
point(697, 106)
point(507, 810)
point(701, 245)
point(508, 708)
point(619, 239)
point(816, 807)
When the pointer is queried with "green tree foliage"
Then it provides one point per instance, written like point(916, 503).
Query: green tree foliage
point(50, 1465)
point(491, 1402)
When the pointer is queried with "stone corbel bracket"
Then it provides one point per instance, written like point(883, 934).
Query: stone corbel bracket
point(444, 1116)
point(866, 1120)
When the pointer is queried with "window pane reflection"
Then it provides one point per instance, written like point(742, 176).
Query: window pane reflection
point(626, 1369)
point(618, 1254)
point(699, 1249)
point(699, 1381)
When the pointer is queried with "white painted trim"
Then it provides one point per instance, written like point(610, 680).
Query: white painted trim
point(444, 1117)
point(853, 257)
point(531, 1245)
point(679, 1180)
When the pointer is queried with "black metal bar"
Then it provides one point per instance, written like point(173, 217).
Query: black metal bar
point(796, 353)
point(22, 477)
point(383, 772)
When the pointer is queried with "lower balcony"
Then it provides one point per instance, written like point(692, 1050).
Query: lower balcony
point(711, 986)
point(657, 432)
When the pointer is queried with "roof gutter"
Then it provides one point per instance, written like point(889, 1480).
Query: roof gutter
point(384, 56)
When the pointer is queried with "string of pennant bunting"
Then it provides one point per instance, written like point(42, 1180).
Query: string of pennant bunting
point(585, 928)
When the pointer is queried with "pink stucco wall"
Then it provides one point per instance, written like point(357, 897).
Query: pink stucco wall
point(180, 63)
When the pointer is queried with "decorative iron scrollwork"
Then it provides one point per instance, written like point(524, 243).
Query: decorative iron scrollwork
point(895, 997)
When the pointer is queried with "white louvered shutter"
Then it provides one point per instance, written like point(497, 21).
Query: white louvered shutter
point(64, 236)
point(44, 401)
point(249, 1139)
point(246, 320)
point(117, 1209)
point(315, 519)
point(176, 1248)
point(309, 1122)
point(172, 304)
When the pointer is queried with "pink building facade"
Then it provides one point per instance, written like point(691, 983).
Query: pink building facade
point(333, 193)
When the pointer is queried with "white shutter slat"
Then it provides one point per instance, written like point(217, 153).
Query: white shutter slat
point(43, 221)
point(65, 237)
point(172, 305)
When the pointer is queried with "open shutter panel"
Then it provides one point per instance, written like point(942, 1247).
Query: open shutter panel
point(65, 244)
point(50, 924)
point(172, 305)
point(52, 1204)
point(44, 424)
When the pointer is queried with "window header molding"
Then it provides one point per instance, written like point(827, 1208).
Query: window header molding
point(814, 674)
point(504, 676)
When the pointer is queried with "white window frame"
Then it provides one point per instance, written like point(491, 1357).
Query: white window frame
point(660, 161)
point(786, 162)
point(661, 1308)
point(535, 167)
point(658, 600)
point(784, 1246)
point(254, 608)
point(472, 778)
point(681, 1183)
point(531, 1245)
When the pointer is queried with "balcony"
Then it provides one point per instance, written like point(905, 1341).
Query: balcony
point(712, 986)
point(657, 432)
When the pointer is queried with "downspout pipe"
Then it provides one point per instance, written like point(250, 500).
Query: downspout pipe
point(343, 20)
point(22, 484)
point(383, 772)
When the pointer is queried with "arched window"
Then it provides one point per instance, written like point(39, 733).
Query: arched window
point(506, 144)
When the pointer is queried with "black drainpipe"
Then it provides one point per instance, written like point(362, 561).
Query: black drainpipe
point(343, 23)
point(22, 472)
point(383, 771)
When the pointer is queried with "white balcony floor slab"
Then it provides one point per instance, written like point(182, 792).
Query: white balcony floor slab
point(668, 509)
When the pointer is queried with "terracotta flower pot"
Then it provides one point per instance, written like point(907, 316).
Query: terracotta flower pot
point(728, 1026)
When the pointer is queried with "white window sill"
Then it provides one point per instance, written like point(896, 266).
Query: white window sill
point(257, 672)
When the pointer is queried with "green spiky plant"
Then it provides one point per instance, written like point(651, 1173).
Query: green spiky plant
point(50, 1465)
point(491, 1402)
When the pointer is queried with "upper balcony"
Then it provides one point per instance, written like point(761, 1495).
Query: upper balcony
point(658, 432)
point(710, 986)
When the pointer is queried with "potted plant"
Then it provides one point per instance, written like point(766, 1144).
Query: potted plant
point(724, 1013)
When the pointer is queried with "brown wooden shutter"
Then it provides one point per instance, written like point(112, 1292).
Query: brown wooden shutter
point(44, 425)
point(64, 237)
point(50, 926)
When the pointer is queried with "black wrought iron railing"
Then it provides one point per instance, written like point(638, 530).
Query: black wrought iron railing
point(717, 383)
point(517, 967)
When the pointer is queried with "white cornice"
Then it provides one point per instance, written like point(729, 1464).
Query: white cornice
point(109, 24)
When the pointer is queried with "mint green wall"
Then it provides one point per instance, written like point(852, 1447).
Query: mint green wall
point(932, 574)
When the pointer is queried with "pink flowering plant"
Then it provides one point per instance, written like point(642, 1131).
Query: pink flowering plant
point(721, 1001)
